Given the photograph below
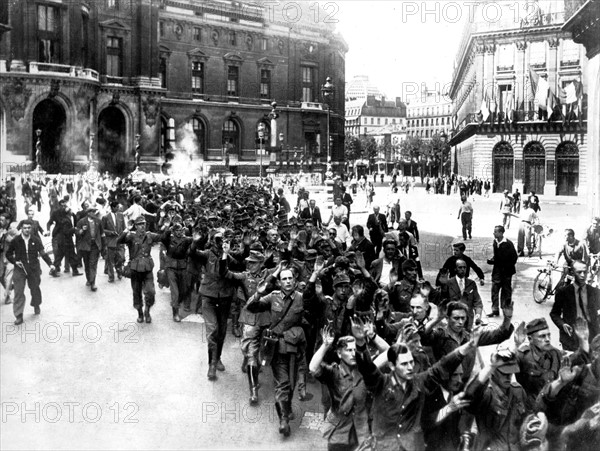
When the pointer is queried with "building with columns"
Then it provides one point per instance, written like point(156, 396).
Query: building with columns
point(517, 147)
point(583, 22)
point(168, 79)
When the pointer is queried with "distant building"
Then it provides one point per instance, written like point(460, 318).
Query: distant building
point(502, 130)
point(430, 114)
point(164, 78)
point(374, 113)
point(359, 88)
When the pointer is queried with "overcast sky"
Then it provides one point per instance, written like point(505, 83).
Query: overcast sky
point(393, 42)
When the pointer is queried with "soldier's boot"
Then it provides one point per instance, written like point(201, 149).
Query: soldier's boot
point(212, 367)
point(176, 316)
point(147, 315)
point(284, 422)
point(236, 330)
point(301, 386)
point(291, 416)
point(252, 381)
point(140, 318)
point(245, 365)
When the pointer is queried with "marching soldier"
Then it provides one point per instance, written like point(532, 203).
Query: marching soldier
point(286, 309)
point(177, 246)
point(142, 280)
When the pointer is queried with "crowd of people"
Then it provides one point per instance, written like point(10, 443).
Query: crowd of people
point(316, 295)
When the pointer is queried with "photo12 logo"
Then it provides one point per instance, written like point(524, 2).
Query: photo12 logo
point(69, 412)
point(71, 331)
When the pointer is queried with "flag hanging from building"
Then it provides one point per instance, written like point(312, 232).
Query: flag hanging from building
point(540, 89)
point(573, 93)
point(484, 110)
point(508, 107)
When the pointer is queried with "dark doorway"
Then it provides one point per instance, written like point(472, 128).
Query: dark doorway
point(112, 146)
point(567, 169)
point(50, 118)
point(534, 171)
point(503, 160)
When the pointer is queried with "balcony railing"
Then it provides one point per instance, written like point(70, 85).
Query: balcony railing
point(518, 116)
point(63, 69)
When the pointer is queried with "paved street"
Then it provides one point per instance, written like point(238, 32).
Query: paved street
point(85, 375)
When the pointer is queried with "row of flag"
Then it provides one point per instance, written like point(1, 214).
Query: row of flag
point(547, 102)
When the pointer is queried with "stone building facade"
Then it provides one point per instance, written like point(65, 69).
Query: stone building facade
point(169, 80)
point(519, 146)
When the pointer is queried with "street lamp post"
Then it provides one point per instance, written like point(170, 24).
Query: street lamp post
point(38, 173)
point(327, 90)
point(281, 150)
point(261, 135)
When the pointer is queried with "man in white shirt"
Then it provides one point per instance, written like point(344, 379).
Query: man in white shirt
point(342, 235)
point(338, 210)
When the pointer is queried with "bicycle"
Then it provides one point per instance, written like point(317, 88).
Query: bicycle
point(538, 233)
point(543, 288)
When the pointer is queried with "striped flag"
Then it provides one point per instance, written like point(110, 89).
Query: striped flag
point(508, 107)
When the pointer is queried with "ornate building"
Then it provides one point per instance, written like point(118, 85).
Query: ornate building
point(583, 21)
point(168, 79)
point(364, 116)
point(520, 145)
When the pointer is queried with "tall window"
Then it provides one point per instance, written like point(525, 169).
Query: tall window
point(263, 44)
point(114, 4)
point(47, 18)
point(570, 51)
point(114, 56)
point(537, 53)
point(198, 77)
point(506, 58)
point(198, 127)
point(48, 34)
point(265, 84)
point(162, 72)
point(233, 76)
point(232, 38)
point(308, 84)
point(161, 29)
point(197, 34)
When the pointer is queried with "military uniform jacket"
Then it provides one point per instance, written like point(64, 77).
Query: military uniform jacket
point(250, 284)
point(536, 370)
point(347, 422)
point(397, 411)
point(139, 249)
point(177, 250)
point(288, 327)
point(499, 415)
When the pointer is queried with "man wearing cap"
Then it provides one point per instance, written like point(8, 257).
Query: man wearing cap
point(140, 242)
point(458, 250)
point(114, 224)
point(253, 323)
point(539, 361)
point(499, 405)
point(286, 308)
point(216, 291)
point(176, 245)
point(90, 244)
point(23, 252)
point(577, 300)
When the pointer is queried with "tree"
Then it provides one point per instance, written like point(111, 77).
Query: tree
point(369, 146)
point(352, 148)
point(410, 148)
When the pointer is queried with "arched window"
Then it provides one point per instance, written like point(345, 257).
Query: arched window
point(231, 137)
point(200, 132)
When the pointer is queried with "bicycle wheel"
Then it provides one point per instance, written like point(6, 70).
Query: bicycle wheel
point(542, 285)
